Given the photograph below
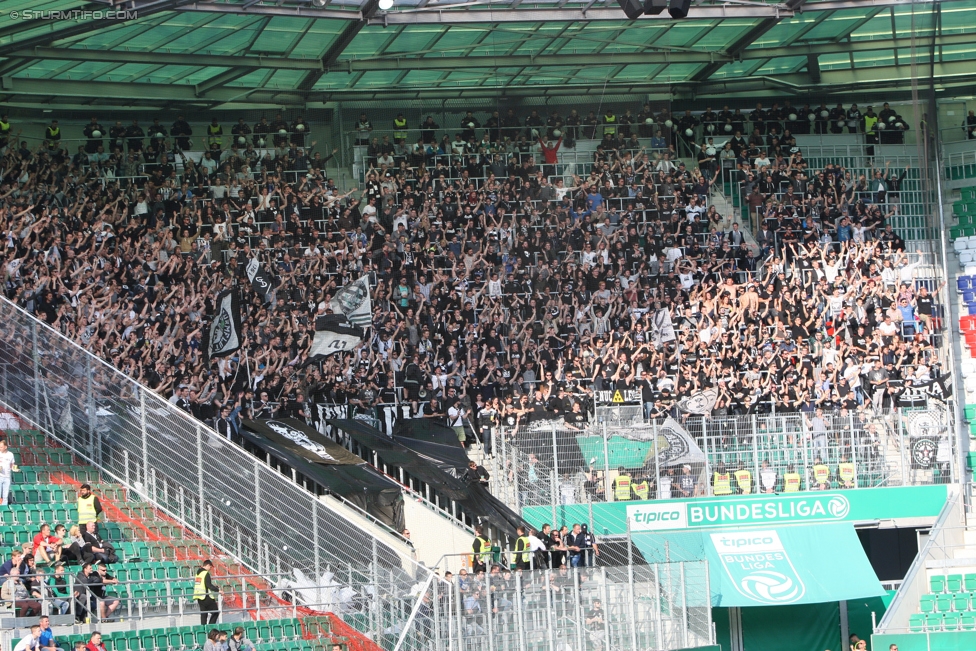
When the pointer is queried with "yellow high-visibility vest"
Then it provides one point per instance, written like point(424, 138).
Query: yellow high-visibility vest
point(821, 473)
point(791, 482)
point(846, 471)
point(485, 552)
point(722, 484)
point(215, 133)
point(86, 510)
point(641, 490)
point(869, 122)
point(621, 488)
point(522, 546)
point(401, 126)
point(200, 585)
point(609, 121)
point(744, 479)
point(53, 133)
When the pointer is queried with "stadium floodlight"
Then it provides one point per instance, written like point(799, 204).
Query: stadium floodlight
point(386, 5)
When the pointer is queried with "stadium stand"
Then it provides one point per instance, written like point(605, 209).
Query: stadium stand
point(155, 565)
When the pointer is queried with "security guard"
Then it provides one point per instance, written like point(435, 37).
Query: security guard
point(641, 489)
point(522, 550)
point(214, 135)
point(621, 485)
point(52, 135)
point(203, 593)
point(610, 123)
point(482, 551)
point(4, 130)
point(399, 128)
point(846, 473)
point(721, 480)
point(89, 508)
point(743, 479)
point(821, 475)
point(791, 480)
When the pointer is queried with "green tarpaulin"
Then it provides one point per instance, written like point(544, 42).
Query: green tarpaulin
point(775, 566)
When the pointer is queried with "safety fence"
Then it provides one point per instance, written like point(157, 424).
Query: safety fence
point(622, 457)
point(306, 554)
point(210, 486)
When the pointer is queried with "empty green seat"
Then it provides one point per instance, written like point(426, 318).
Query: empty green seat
point(954, 583)
point(933, 622)
point(951, 621)
point(927, 603)
point(970, 583)
point(960, 602)
point(968, 622)
point(943, 603)
point(937, 583)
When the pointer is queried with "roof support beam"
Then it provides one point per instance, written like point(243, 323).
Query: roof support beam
point(219, 80)
point(369, 8)
point(166, 58)
point(75, 29)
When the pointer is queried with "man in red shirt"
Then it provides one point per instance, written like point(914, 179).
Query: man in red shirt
point(47, 548)
point(95, 642)
point(549, 155)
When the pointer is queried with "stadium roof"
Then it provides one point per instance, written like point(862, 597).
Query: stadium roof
point(237, 53)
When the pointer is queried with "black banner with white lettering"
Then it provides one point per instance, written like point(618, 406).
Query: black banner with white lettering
point(918, 394)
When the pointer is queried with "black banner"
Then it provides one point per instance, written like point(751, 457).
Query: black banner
point(918, 394)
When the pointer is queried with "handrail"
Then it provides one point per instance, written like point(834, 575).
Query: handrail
point(171, 411)
point(918, 565)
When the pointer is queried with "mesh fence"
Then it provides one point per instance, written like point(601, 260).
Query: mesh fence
point(307, 555)
point(213, 488)
point(547, 465)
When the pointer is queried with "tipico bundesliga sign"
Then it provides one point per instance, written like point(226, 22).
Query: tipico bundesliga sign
point(799, 508)
point(736, 513)
point(857, 505)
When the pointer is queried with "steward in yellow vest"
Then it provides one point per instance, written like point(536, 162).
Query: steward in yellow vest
point(52, 135)
point(214, 133)
point(89, 508)
point(846, 474)
point(482, 551)
point(610, 123)
point(204, 593)
point(743, 479)
point(4, 129)
point(641, 489)
point(621, 486)
point(522, 550)
point(400, 128)
point(721, 480)
point(791, 480)
point(821, 475)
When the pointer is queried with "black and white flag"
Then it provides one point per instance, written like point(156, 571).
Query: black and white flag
point(701, 402)
point(918, 394)
point(333, 335)
point(353, 301)
point(224, 337)
point(661, 327)
point(261, 280)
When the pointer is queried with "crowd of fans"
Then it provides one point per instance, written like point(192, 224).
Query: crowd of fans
point(501, 292)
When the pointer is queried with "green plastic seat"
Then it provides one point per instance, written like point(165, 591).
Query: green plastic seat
point(969, 583)
point(937, 583)
point(960, 602)
point(951, 621)
point(933, 622)
point(927, 603)
point(954, 583)
point(967, 622)
point(943, 603)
